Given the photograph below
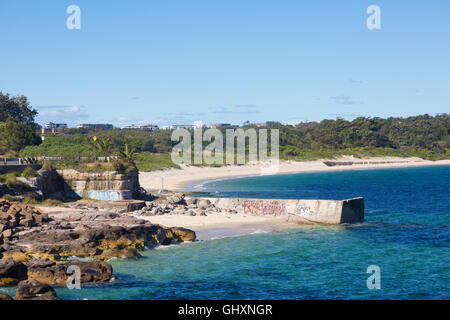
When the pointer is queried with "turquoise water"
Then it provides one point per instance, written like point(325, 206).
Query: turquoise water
point(406, 233)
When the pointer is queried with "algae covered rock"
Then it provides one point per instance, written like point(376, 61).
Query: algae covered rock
point(34, 290)
point(126, 253)
point(49, 272)
point(11, 272)
point(16, 255)
point(183, 234)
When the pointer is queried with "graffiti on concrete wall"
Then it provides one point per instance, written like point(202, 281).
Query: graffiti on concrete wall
point(264, 207)
point(304, 211)
point(104, 195)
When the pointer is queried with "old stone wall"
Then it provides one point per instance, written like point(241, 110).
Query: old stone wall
point(304, 211)
point(108, 185)
point(69, 183)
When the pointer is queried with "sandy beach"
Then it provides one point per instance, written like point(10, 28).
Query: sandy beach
point(179, 179)
point(223, 224)
point(220, 225)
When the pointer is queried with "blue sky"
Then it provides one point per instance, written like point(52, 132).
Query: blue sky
point(226, 61)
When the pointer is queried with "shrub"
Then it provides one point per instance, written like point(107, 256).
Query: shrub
point(44, 203)
point(10, 180)
point(9, 197)
point(48, 166)
point(147, 161)
point(122, 166)
point(29, 173)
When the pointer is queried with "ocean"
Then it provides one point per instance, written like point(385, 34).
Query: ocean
point(406, 235)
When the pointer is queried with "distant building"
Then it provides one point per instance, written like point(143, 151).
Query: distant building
point(53, 128)
point(220, 125)
point(180, 126)
point(147, 127)
point(199, 125)
point(96, 126)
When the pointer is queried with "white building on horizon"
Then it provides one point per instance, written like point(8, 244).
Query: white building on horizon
point(145, 127)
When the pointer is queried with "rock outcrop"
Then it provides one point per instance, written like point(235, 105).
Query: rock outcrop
point(98, 235)
point(16, 217)
point(177, 204)
point(52, 273)
point(5, 297)
point(43, 248)
point(11, 272)
point(34, 290)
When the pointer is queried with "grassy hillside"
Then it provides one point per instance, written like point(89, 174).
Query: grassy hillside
point(422, 136)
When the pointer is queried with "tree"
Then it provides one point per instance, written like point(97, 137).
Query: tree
point(128, 154)
point(16, 135)
point(105, 146)
point(17, 107)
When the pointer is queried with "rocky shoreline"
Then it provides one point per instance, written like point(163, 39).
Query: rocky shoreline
point(39, 248)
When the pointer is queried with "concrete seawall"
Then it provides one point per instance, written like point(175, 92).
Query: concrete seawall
point(107, 185)
point(301, 211)
point(69, 183)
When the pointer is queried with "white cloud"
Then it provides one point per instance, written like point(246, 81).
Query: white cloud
point(61, 114)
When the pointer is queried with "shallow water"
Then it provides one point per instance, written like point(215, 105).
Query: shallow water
point(406, 233)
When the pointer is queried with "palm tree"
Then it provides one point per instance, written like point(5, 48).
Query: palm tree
point(128, 154)
point(103, 145)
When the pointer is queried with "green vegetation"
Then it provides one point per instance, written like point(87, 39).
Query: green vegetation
point(128, 154)
point(147, 161)
point(17, 126)
point(15, 135)
point(421, 136)
point(10, 180)
point(118, 165)
point(44, 203)
point(66, 146)
point(17, 107)
point(29, 173)
point(10, 197)
point(423, 132)
point(295, 153)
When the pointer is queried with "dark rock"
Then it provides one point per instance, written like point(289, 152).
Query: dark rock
point(203, 203)
point(26, 222)
point(7, 233)
point(91, 272)
point(11, 272)
point(39, 263)
point(5, 297)
point(183, 234)
point(34, 290)
point(176, 198)
point(126, 253)
point(191, 201)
